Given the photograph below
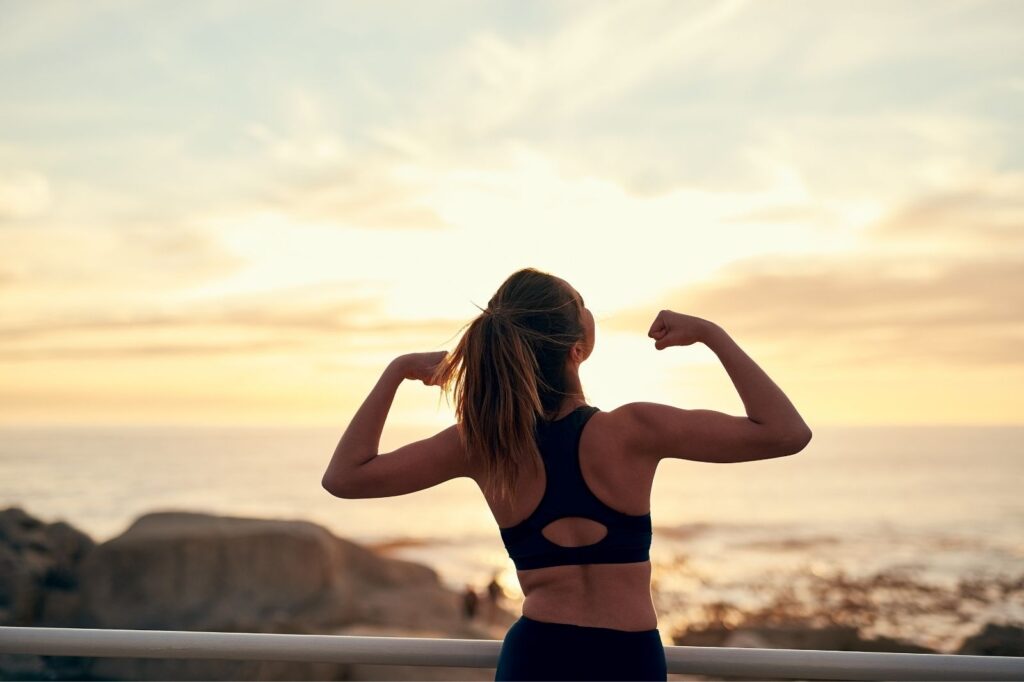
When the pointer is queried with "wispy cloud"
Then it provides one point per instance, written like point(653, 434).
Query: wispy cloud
point(948, 295)
point(314, 318)
point(104, 260)
point(986, 215)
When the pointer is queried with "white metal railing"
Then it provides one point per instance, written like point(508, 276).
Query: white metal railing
point(483, 653)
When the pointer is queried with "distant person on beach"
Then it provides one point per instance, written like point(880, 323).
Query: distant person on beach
point(469, 602)
point(568, 484)
point(494, 593)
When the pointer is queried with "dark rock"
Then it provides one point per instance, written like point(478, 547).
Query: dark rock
point(995, 640)
point(828, 638)
point(202, 572)
point(710, 635)
point(36, 559)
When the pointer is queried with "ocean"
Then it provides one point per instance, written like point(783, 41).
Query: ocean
point(912, 532)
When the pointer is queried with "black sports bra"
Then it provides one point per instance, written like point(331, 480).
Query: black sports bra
point(628, 538)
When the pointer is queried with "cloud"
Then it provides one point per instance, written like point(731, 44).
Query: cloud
point(136, 257)
point(314, 169)
point(937, 280)
point(156, 350)
point(848, 311)
point(30, 27)
point(988, 213)
point(23, 195)
point(358, 194)
point(785, 213)
point(662, 94)
point(497, 84)
point(291, 319)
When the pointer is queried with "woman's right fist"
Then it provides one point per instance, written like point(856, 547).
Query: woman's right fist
point(677, 329)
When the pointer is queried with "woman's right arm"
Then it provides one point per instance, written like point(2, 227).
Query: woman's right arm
point(772, 427)
point(764, 402)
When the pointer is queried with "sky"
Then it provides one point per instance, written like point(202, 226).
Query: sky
point(240, 212)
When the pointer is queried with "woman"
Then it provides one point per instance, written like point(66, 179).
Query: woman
point(567, 483)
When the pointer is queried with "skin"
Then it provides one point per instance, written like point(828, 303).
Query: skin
point(603, 595)
point(577, 355)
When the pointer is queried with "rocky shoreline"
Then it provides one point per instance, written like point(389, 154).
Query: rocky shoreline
point(181, 570)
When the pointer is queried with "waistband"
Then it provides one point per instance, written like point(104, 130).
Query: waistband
point(572, 627)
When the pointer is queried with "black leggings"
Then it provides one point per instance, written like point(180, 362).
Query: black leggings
point(539, 650)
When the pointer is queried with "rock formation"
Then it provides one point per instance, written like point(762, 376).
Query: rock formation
point(195, 571)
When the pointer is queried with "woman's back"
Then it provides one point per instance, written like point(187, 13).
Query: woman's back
point(610, 595)
point(618, 455)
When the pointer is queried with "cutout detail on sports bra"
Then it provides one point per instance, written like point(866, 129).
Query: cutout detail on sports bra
point(561, 531)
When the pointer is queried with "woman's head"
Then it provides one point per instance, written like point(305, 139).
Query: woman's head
point(515, 365)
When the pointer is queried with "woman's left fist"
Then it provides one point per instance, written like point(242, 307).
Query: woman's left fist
point(421, 366)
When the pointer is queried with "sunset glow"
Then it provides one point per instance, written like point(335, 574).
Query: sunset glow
point(239, 213)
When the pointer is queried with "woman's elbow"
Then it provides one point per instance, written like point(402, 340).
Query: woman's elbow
point(798, 440)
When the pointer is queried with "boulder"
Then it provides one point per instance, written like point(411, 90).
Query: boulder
point(39, 569)
point(196, 571)
point(713, 634)
point(995, 640)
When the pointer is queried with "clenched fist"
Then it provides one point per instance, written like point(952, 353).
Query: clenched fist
point(421, 366)
point(678, 329)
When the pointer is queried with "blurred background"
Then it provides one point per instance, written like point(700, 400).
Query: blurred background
point(220, 221)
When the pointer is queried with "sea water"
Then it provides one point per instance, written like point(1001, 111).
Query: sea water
point(915, 532)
